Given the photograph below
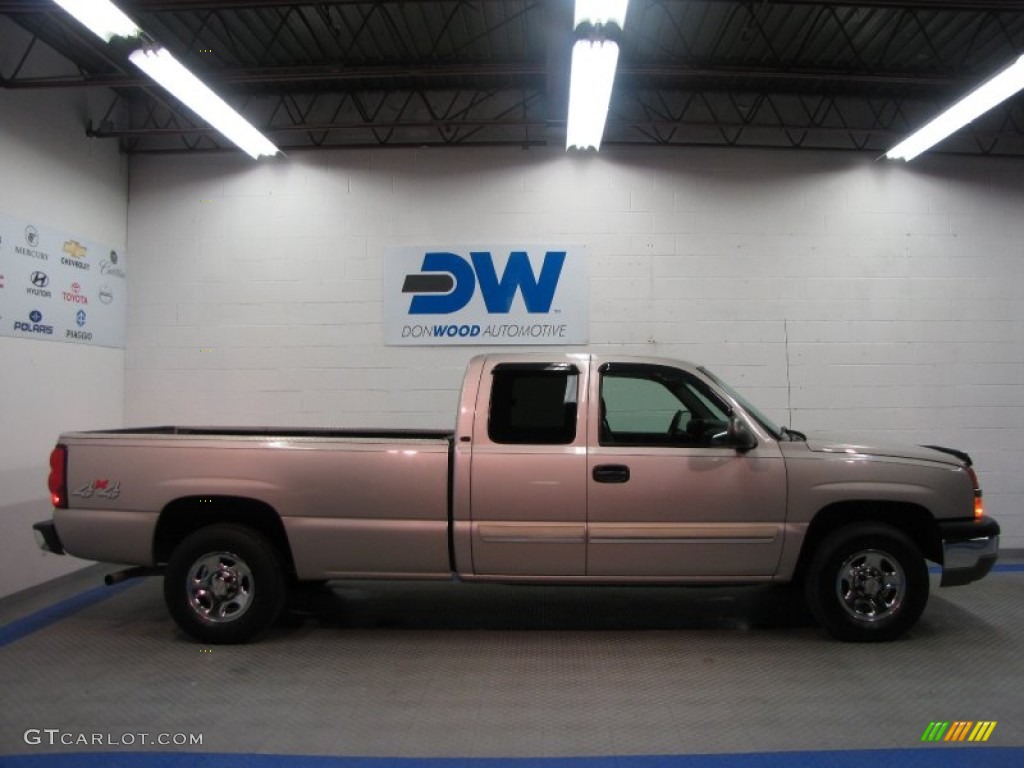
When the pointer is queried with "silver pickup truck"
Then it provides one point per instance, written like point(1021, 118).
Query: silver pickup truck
point(572, 469)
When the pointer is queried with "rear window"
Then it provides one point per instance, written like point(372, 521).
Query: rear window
point(533, 405)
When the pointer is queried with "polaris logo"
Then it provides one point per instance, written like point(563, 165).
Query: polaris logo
point(446, 282)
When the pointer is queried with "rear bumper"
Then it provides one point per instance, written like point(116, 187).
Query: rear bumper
point(47, 537)
point(969, 550)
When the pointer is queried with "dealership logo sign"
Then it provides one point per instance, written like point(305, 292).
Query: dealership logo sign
point(485, 295)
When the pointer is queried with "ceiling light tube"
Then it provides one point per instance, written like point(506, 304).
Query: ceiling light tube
point(159, 64)
point(979, 101)
point(601, 12)
point(590, 91)
point(102, 17)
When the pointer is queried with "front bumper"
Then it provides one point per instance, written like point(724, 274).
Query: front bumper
point(969, 550)
point(47, 537)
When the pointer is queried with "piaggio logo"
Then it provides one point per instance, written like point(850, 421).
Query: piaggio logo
point(446, 282)
point(959, 730)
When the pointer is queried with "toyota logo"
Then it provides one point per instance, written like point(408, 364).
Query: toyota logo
point(39, 279)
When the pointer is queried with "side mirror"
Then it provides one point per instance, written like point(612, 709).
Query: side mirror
point(740, 435)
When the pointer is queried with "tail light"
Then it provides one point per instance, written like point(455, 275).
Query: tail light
point(59, 477)
point(979, 505)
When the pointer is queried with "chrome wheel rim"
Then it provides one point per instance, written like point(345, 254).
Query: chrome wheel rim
point(871, 585)
point(220, 587)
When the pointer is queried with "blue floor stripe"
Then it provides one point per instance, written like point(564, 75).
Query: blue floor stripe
point(939, 756)
point(16, 630)
point(997, 568)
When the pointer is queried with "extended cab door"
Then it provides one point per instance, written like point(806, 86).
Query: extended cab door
point(529, 470)
point(669, 495)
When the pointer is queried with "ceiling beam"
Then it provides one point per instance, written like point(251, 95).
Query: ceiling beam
point(161, 6)
point(514, 73)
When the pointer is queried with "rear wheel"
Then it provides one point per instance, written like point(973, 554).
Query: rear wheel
point(867, 582)
point(225, 584)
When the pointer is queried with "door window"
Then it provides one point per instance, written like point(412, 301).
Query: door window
point(533, 405)
point(657, 405)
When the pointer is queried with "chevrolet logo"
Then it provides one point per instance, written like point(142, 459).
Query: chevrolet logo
point(75, 249)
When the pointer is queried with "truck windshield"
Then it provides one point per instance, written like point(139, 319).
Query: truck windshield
point(749, 407)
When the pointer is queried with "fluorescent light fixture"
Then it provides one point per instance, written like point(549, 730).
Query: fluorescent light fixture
point(189, 90)
point(601, 12)
point(590, 90)
point(102, 17)
point(981, 100)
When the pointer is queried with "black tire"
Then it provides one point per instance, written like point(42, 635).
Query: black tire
point(225, 584)
point(868, 582)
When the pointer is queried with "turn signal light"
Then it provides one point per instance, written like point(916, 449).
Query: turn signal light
point(979, 505)
point(58, 481)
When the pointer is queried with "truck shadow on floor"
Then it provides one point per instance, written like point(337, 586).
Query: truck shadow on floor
point(362, 605)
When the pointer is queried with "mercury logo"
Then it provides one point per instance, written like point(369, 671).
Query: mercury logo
point(31, 236)
point(446, 282)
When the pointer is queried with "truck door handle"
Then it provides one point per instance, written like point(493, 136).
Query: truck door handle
point(611, 473)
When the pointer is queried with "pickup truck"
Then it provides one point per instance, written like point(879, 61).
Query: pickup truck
point(567, 469)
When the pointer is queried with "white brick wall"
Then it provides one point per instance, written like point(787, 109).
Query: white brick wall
point(893, 291)
point(53, 175)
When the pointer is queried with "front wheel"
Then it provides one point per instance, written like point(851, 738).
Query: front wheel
point(224, 584)
point(868, 582)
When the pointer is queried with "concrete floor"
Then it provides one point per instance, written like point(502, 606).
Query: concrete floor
point(740, 676)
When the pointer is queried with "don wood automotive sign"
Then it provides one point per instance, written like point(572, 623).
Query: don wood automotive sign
point(485, 295)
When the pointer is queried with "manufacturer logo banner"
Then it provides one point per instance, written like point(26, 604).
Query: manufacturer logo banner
point(485, 295)
point(55, 286)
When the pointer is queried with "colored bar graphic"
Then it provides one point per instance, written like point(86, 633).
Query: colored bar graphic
point(959, 730)
point(982, 731)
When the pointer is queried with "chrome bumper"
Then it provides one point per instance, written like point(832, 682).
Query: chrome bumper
point(969, 550)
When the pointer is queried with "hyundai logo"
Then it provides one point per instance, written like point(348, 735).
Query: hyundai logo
point(39, 279)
